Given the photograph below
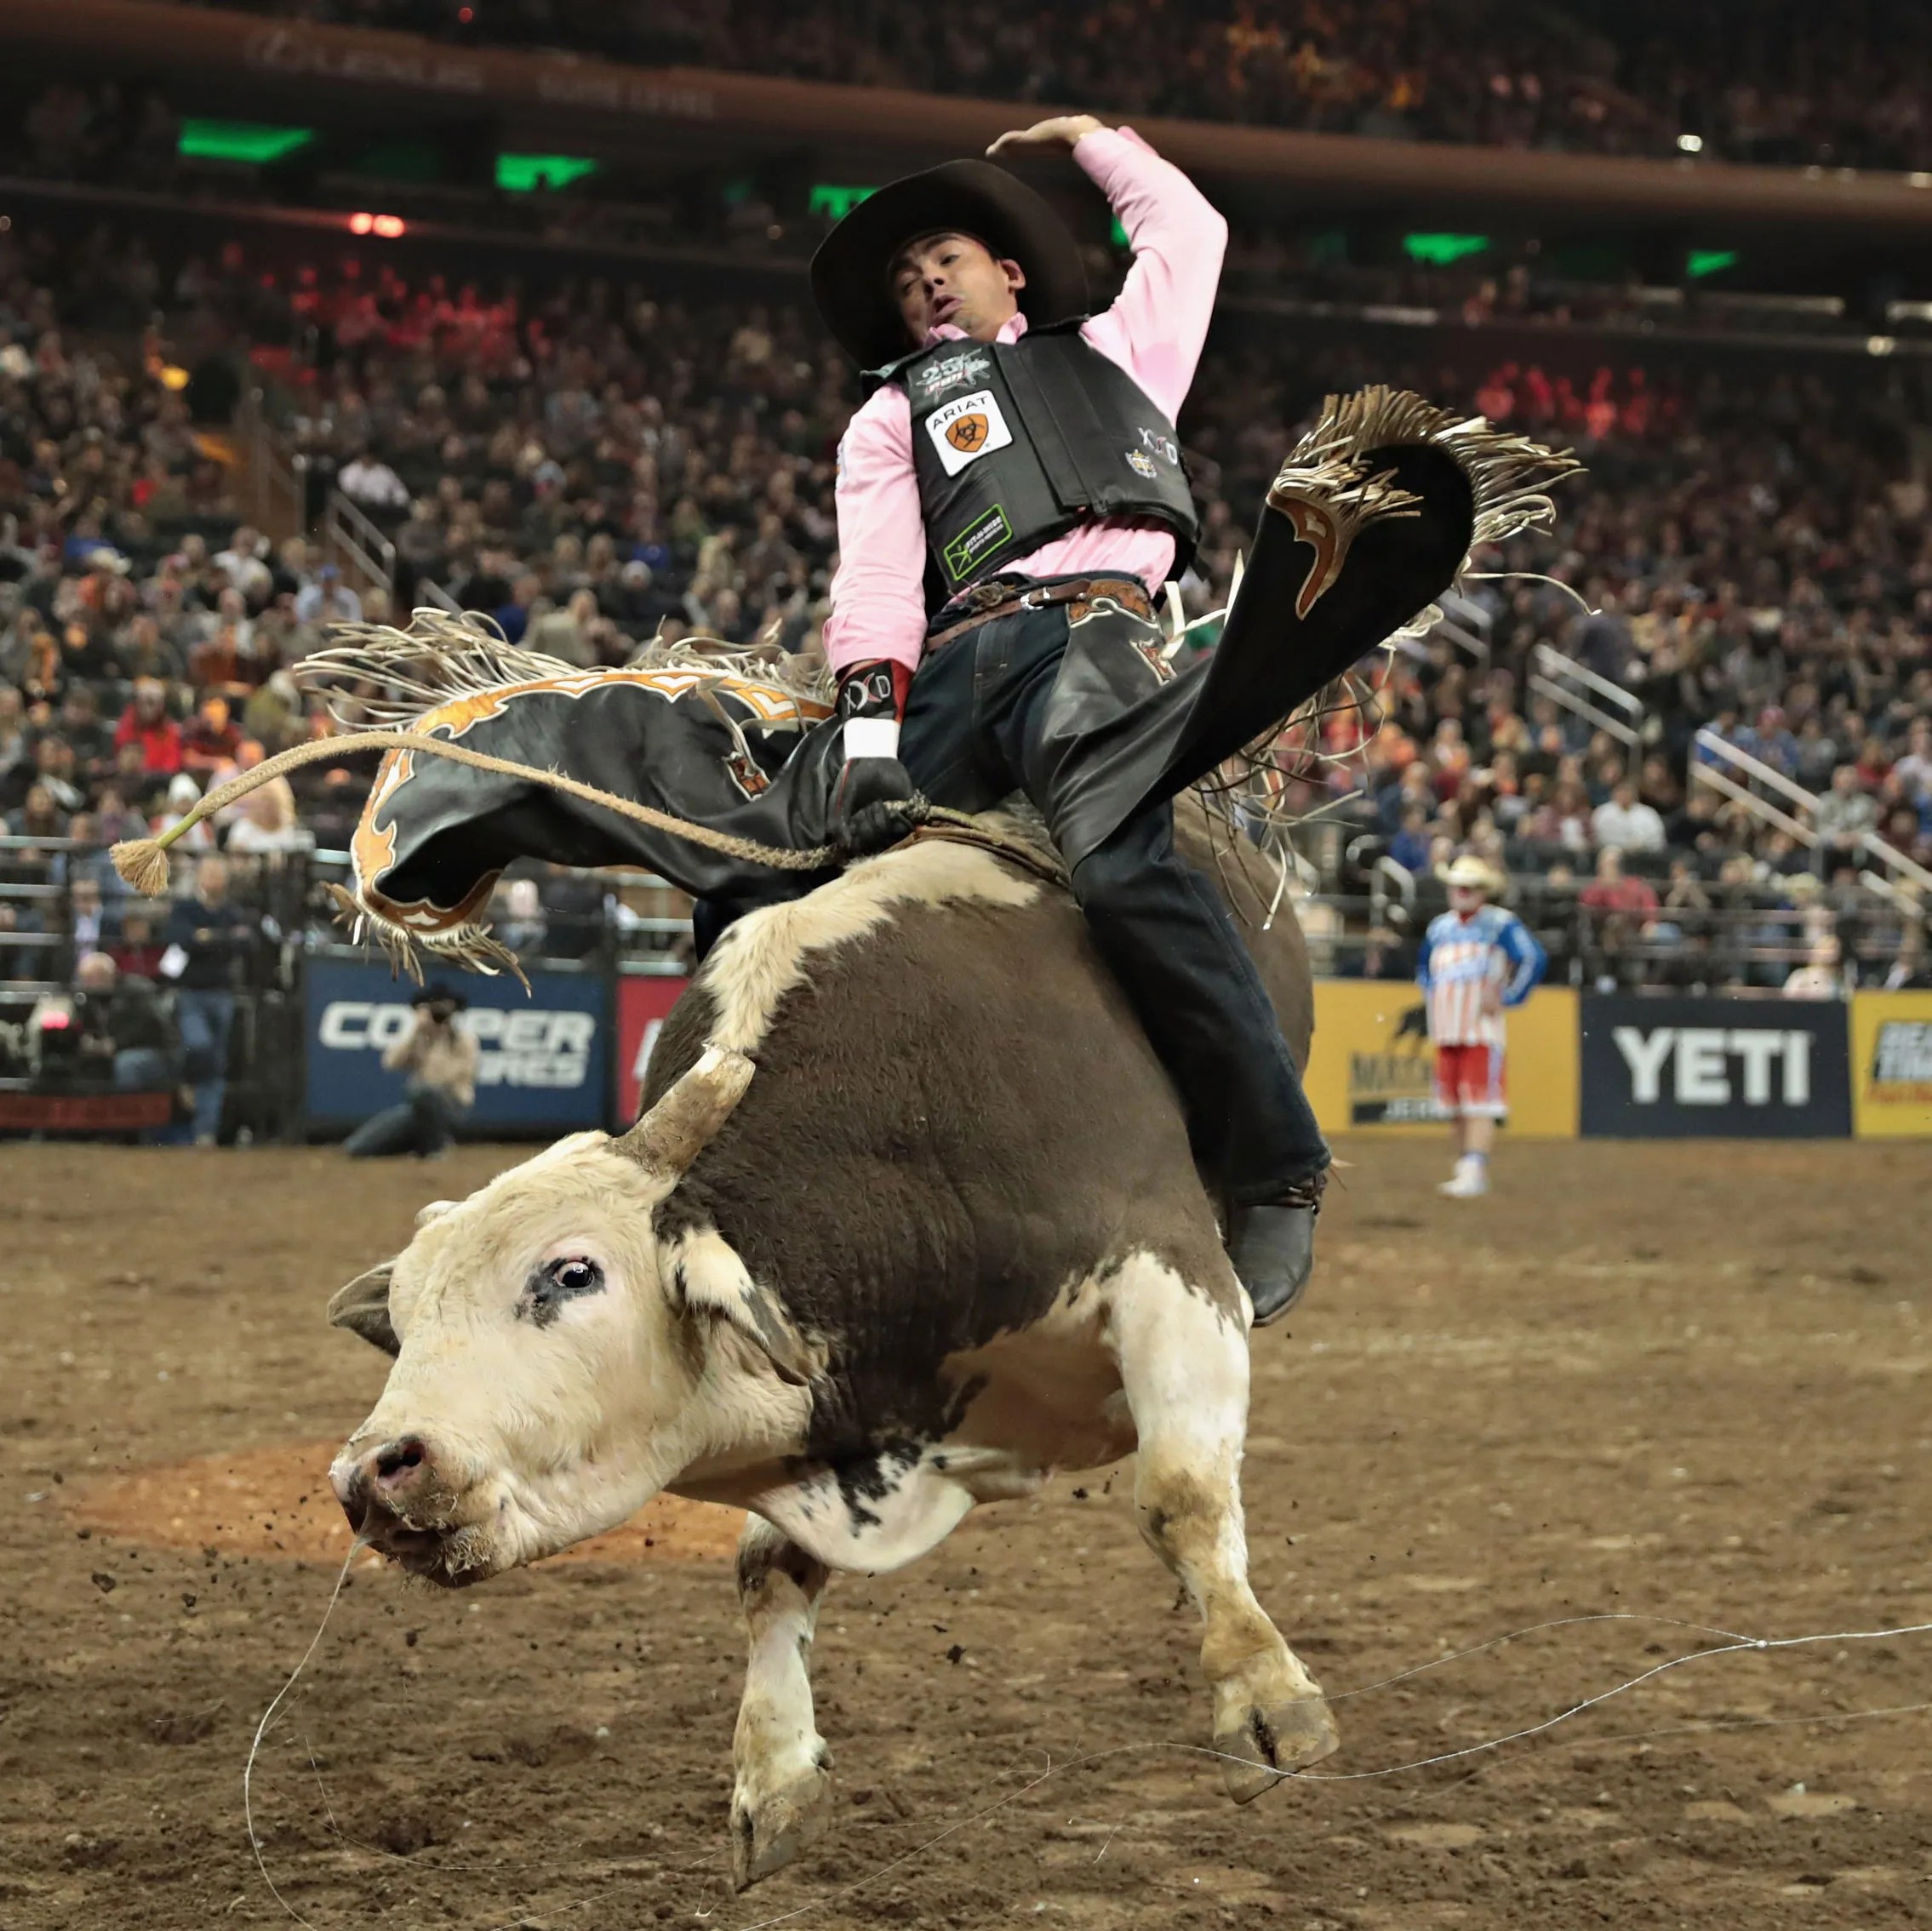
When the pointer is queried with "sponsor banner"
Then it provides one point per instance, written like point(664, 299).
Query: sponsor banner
point(1373, 1069)
point(643, 1004)
point(1891, 1065)
point(542, 1062)
point(1752, 1069)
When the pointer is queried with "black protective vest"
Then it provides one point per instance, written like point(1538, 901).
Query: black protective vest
point(1015, 444)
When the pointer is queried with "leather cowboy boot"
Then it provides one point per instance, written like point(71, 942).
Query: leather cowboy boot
point(1272, 1247)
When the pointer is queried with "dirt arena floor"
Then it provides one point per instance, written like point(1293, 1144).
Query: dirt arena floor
point(1671, 1381)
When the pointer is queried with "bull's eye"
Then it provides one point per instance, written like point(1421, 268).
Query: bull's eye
point(556, 1282)
point(576, 1276)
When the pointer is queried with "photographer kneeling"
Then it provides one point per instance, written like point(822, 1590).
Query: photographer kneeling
point(440, 1058)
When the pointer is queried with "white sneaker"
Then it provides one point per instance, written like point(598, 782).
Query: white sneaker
point(1471, 1183)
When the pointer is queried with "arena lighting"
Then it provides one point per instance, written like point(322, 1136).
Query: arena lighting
point(1691, 144)
point(1440, 250)
point(834, 201)
point(1879, 345)
point(361, 222)
point(1701, 262)
point(389, 226)
point(240, 140)
point(523, 174)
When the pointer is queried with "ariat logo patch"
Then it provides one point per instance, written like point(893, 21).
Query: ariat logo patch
point(965, 431)
point(973, 546)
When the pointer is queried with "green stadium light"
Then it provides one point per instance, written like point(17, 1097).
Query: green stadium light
point(524, 174)
point(1708, 261)
point(1440, 250)
point(834, 201)
point(240, 140)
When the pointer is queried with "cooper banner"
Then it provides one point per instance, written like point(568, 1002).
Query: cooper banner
point(1745, 1069)
point(644, 1000)
point(543, 1062)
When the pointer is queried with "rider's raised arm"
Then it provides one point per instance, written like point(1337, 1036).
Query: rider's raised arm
point(1155, 328)
point(878, 606)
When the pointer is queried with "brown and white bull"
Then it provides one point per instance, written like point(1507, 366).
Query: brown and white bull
point(909, 1224)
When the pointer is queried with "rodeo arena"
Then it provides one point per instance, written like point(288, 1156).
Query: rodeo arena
point(965, 966)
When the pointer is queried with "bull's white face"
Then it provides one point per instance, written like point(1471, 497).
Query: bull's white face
point(541, 1374)
point(551, 1349)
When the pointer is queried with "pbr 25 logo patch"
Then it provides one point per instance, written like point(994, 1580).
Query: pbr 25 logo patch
point(965, 430)
point(949, 372)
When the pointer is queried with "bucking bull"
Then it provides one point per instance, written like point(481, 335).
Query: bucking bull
point(909, 1221)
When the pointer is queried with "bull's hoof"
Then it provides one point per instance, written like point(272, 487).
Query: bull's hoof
point(770, 1827)
point(1266, 1739)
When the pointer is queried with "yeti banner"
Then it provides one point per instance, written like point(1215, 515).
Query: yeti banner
point(542, 1065)
point(1748, 1069)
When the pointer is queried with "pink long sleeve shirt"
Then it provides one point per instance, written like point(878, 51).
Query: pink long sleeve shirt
point(1154, 331)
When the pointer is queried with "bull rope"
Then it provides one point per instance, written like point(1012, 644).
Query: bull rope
point(143, 862)
point(1734, 1643)
point(261, 1730)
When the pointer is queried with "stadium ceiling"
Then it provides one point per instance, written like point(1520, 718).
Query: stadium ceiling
point(544, 103)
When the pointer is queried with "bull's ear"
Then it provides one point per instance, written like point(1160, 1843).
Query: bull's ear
point(363, 1307)
point(435, 1211)
point(709, 1280)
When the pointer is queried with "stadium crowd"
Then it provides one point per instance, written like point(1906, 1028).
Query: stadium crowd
point(592, 466)
point(1847, 88)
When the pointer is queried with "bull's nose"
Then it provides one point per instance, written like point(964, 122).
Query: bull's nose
point(386, 1476)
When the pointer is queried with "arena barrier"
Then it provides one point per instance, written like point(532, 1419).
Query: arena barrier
point(1372, 1069)
point(1635, 1066)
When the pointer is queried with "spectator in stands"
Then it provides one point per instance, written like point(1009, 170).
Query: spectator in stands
point(370, 483)
point(145, 723)
point(1822, 976)
point(1614, 890)
point(1845, 815)
point(328, 601)
point(1624, 821)
point(209, 940)
point(124, 1031)
point(439, 1057)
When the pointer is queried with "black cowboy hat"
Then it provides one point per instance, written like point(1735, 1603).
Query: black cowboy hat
point(436, 993)
point(967, 197)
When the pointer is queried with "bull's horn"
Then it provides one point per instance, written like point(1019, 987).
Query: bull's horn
point(672, 1135)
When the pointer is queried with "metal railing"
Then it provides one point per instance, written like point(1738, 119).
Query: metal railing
point(1721, 767)
point(278, 500)
point(348, 535)
point(1603, 706)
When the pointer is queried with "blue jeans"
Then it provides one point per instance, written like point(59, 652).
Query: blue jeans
point(992, 712)
point(205, 1019)
point(425, 1123)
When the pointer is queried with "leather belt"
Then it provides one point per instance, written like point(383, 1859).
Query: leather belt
point(986, 601)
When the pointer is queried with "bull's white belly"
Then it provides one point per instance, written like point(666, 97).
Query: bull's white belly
point(1049, 1399)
